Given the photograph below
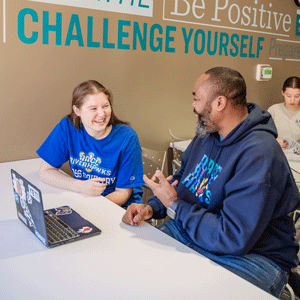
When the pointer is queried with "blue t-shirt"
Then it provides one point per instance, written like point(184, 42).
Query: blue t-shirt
point(117, 158)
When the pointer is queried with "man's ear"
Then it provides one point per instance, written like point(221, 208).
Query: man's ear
point(221, 103)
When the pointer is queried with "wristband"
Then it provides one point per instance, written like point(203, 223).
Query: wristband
point(171, 211)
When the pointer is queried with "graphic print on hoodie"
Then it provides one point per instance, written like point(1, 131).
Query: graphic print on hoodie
point(199, 181)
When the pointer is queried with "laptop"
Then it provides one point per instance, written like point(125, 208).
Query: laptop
point(53, 227)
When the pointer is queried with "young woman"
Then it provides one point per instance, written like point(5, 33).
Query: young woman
point(287, 115)
point(104, 153)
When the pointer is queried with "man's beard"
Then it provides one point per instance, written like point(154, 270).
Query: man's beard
point(204, 124)
point(201, 129)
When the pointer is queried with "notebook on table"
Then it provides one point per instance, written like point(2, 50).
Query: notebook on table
point(53, 227)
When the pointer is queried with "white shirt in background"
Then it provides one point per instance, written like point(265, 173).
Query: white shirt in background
point(286, 121)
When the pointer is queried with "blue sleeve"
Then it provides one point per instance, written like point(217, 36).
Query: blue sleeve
point(54, 150)
point(130, 173)
point(159, 210)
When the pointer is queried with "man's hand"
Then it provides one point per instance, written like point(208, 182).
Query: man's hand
point(163, 190)
point(136, 213)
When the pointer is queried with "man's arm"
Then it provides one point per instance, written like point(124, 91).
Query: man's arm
point(136, 213)
point(162, 188)
point(159, 210)
point(252, 197)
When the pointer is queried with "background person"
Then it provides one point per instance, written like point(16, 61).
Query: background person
point(232, 198)
point(287, 115)
point(104, 152)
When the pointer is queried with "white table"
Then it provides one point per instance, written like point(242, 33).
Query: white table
point(123, 262)
point(181, 145)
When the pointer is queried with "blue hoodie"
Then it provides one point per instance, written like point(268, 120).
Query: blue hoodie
point(235, 195)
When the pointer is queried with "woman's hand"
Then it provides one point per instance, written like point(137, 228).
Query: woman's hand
point(92, 187)
point(283, 143)
point(56, 178)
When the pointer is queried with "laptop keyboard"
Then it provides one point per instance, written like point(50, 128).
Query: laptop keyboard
point(57, 230)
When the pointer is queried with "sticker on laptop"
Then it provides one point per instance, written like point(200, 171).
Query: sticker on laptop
point(19, 188)
point(85, 229)
point(28, 215)
point(63, 210)
point(34, 193)
point(24, 220)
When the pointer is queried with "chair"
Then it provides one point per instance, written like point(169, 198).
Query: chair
point(175, 138)
point(152, 160)
point(288, 293)
point(176, 154)
point(177, 147)
point(294, 283)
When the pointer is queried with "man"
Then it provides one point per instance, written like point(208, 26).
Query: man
point(232, 197)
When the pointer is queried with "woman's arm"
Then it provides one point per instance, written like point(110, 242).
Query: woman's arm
point(119, 196)
point(58, 179)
